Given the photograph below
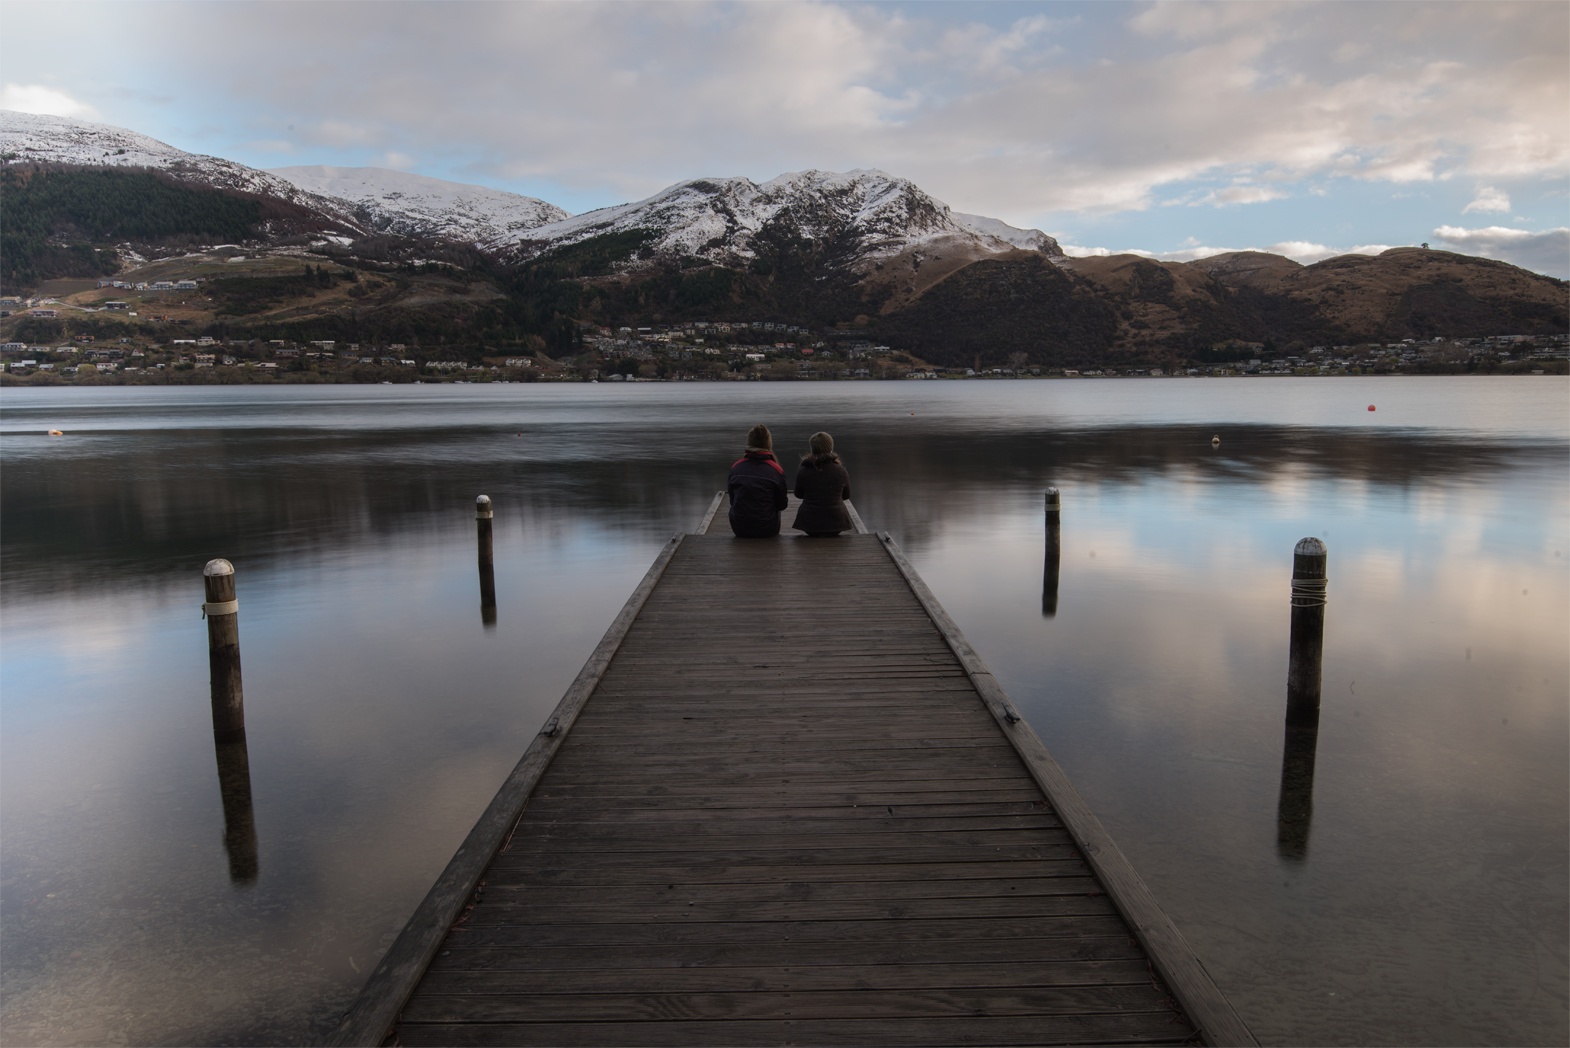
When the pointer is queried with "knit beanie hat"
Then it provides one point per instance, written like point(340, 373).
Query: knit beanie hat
point(820, 443)
point(759, 438)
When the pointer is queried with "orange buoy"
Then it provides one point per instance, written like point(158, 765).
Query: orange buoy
point(56, 433)
point(1371, 407)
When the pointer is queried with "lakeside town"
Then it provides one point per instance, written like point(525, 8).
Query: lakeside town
point(755, 350)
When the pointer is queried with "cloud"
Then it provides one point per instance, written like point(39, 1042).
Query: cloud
point(46, 101)
point(1092, 113)
point(1241, 194)
point(1488, 199)
point(1304, 251)
point(1545, 252)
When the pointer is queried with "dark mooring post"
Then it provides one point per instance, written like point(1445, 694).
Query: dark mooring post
point(1054, 554)
point(223, 651)
point(1295, 809)
point(482, 527)
point(1306, 649)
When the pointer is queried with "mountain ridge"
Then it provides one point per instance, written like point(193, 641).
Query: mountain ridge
point(822, 248)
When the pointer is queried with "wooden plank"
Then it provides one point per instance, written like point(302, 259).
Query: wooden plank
point(1009, 937)
point(513, 890)
point(1140, 1028)
point(563, 809)
point(763, 876)
point(400, 969)
point(739, 825)
point(1181, 969)
point(813, 796)
point(1032, 960)
point(497, 908)
point(479, 1006)
point(691, 853)
point(496, 976)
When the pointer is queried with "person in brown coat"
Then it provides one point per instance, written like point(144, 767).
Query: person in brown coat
point(823, 486)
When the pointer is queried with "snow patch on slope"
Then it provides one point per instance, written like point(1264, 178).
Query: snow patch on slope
point(1027, 239)
point(65, 140)
point(410, 204)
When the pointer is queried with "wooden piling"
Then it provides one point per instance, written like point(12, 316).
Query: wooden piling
point(1054, 554)
point(1306, 651)
point(223, 651)
point(482, 528)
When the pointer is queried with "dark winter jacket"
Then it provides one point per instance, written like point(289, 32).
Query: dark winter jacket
point(823, 486)
point(757, 494)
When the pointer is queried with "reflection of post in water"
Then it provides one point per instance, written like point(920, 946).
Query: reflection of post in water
point(234, 784)
point(221, 609)
point(1054, 554)
point(482, 527)
point(1295, 810)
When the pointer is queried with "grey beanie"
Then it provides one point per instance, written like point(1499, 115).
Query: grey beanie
point(820, 443)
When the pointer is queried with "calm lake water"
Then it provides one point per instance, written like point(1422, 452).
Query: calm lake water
point(1426, 905)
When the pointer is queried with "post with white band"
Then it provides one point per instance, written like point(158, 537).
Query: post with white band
point(1054, 554)
point(1295, 809)
point(482, 527)
point(223, 651)
point(1306, 651)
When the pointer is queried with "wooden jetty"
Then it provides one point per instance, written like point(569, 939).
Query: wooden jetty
point(785, 803)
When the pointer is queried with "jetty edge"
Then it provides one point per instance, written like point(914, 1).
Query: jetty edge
point(391, 984)
point(1175, 961)
point(384, 993)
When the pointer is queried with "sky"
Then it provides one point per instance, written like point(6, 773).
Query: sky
point(1172, 129)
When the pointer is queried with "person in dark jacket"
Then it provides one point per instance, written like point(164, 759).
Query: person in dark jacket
point(823, 486)
point(757, 488)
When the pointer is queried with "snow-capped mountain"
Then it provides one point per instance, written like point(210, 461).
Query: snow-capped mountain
point(858, 221)
point(64, 140)
point(415, 205)
point(860, 218)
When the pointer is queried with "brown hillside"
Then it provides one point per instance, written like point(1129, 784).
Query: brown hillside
point(1404, 292)
point(1161, 304)
point(1248, 268)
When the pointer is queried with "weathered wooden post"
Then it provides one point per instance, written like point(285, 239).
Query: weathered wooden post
point(234, 786)
point(1295, 808)
point(221, 610)
point(482, 527)
point(1306, 647)
point(1054, 554)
